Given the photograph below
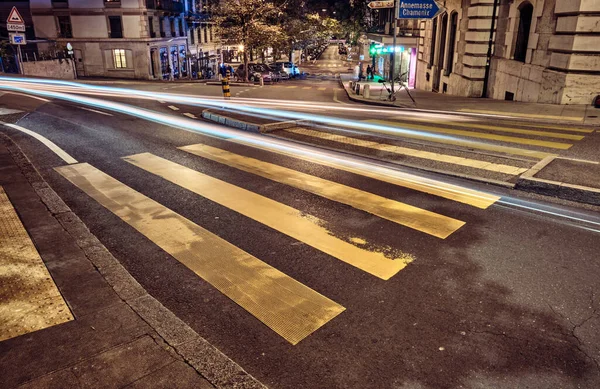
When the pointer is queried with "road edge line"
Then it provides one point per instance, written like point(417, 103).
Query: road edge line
point(205, 358)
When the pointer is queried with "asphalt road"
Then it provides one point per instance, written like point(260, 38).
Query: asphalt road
point(510, 299)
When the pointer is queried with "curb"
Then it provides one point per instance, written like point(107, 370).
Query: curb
point(581, 194)
point(206, 359)
point(247, 126)
point(231, 83)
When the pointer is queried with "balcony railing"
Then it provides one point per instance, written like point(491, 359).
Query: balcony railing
point(165, 5)
point(112, 3)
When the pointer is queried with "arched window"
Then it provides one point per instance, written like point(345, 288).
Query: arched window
point(451, 43)
point(443, 32)
point(433, 41)
point(525, 16)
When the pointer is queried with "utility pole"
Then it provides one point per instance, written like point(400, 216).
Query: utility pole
point(394, 23)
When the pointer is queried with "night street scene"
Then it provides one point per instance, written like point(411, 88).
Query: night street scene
point(291, 194)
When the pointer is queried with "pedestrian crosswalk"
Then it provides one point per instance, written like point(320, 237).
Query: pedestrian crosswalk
point(290, 308)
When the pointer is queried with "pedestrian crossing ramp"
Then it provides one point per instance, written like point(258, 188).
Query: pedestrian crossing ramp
point(290, 308)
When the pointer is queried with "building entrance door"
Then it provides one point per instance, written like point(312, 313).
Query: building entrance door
point(79, 66)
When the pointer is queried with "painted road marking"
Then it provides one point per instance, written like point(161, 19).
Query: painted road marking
point(30, 96)
point(407, 215)
point(307, 87)
point(479, 135)
point(30, 299)
point(96, 111)
point(321, 88)
point(292, 86)
point(442, 189)
point(174, 108)
point(491, 128)
point(285, 219)
point(161, 101)
point(474, 163)
point(51, 145)
point(523, 115)
point(288, 307)
point(190, 115)
point(455, 142)
point(8, 111)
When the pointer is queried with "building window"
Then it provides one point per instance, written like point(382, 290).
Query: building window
point(433, 41)
point(173, 32)
point(525, 16)
point(116, 26)
point(120, 59)
point(192, 36)
point(181, 27)
point(161, 27)
point(64, 27)
point(205, 34)
point(452, 42)
point(151, 27)
point(211, 33)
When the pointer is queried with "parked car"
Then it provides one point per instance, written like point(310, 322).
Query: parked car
point(256, 71)
point(278, 75)
point(291, 69)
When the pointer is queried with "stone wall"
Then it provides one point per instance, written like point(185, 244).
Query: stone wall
point(60, 69)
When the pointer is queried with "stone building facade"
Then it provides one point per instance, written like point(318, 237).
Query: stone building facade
point(545, 51)
point(141, 39)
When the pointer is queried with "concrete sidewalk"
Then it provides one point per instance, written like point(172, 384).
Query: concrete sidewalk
point(72, 316)
point(580, 114)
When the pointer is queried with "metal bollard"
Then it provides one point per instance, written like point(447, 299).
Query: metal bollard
point(261, 81)
point(367, 91)
point(225, 86)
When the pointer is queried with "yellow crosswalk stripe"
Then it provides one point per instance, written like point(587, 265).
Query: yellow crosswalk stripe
point(288, 307)
point(474, 163)
point(307, 87)
point(491, 128)
point(292, 86)
point(29, 298)
point(524, 115)
point(288, 220)
point(461, 194)
point(568, 128)
point(403, 214)
point(479, 135)
point(456, 142)
point(321, 88)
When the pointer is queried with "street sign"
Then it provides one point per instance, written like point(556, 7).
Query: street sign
point(15, 22)
point(17, 38)
point(418, 9)
point(381, 4)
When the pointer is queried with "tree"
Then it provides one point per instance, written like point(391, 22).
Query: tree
point(246, 22)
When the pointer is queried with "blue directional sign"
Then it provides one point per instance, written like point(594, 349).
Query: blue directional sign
point(418, 9)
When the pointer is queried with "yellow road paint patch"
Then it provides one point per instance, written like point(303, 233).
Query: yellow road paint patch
point(474, 163)
point(174, 108)
point(307, 87)
point(492, 128)
point(461, 194)
point(321, 88)
point(29, 298)
point(288, 307)
point(478, 135)
point(407, 215)
point(524, 115)
point(292, 86)
point(190, 115)
point(280, 217)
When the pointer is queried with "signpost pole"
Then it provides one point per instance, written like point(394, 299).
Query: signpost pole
point(20, 59)
point(394, 26)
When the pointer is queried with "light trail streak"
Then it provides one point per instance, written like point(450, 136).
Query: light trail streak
point(572, 218)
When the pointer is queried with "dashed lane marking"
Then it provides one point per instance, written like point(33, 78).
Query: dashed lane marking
point(407, 215)
point(190, 115)
point(307, 87)
point(283, 218)
point(292, 86)
point(474, 163)
point(321, 88)
point(30, 299)
point(174, 108)
point(288, 307)
point(47, 142)
point(96, 111)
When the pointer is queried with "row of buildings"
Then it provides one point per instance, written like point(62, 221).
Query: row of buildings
point(545, 51)
point(141, 39)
